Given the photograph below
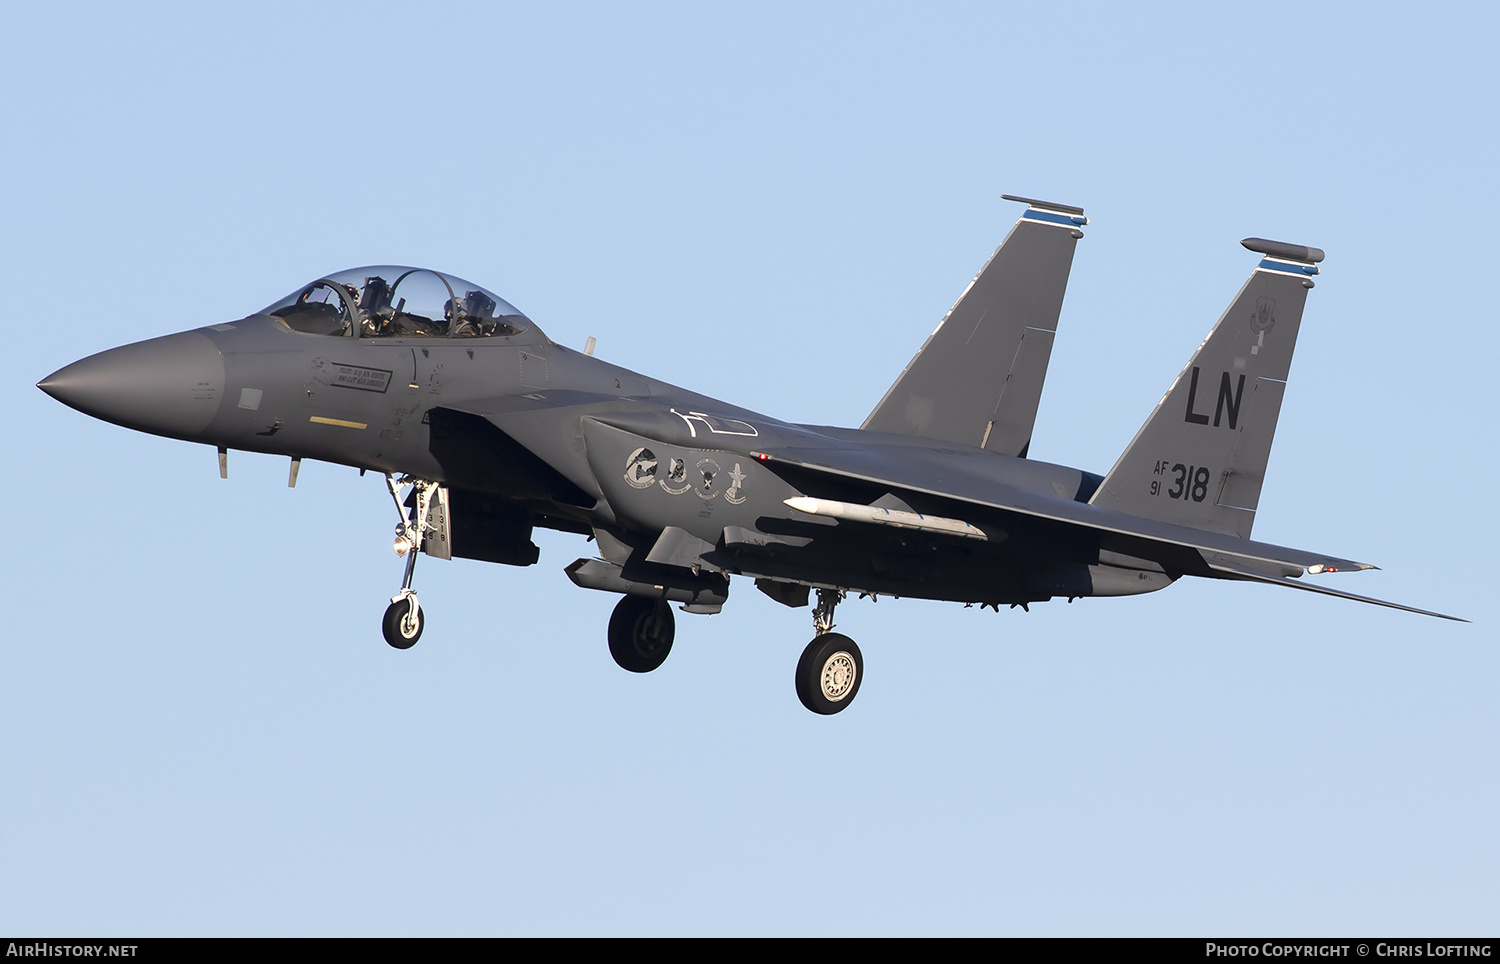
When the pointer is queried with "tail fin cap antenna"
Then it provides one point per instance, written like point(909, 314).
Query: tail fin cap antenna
point(1060, 213)
point(1280, 249)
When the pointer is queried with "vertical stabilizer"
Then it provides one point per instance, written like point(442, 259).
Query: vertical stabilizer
point(978, 378)
point(1200, 459)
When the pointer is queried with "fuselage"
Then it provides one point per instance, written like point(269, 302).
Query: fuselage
point(585, 445)
point(444, 386)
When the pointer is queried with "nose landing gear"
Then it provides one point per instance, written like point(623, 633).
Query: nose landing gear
point(404, 619)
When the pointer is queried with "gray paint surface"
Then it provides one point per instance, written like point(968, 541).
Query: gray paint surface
point(978, 378)
point(684, 491)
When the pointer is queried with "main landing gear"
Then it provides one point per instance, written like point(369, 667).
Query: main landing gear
point(404, 618)
point(831, 667)
point(641, 632)
point(828, 674)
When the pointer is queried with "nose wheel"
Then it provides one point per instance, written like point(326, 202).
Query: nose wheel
point(404, 619)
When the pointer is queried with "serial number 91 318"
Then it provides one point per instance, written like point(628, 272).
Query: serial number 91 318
point(1191, 481)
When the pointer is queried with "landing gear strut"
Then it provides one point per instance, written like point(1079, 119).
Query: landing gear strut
point(404, 618)
point(641, 632)
point(831, 667)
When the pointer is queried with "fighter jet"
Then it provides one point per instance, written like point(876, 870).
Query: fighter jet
point(484, 429)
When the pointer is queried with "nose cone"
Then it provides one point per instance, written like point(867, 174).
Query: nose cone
point(166, 386)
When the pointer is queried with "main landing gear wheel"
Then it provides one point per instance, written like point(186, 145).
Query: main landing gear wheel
point(829, 673)
point(403, 623)
point(641, 632)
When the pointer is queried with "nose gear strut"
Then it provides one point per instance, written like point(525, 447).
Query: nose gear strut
point(404, 619)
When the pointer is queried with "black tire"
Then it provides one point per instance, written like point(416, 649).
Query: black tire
point(641, 632)
point(397, 631)
point(829, 673)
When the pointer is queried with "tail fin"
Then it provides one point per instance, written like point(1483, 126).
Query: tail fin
point(978, 378)
point(1201, 457)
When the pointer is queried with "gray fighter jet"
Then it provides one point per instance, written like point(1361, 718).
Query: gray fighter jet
point(484, 429)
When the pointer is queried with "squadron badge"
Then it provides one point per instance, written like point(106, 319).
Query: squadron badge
point(676, 481)
point(708, 470)
point(640, 468)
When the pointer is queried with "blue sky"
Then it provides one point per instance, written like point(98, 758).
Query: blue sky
point(203, 732)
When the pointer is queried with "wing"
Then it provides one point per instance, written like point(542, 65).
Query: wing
point(971, 489)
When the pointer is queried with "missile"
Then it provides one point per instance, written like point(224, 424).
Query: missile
point(854, 512)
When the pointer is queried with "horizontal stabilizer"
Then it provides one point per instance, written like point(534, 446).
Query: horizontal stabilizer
point(1226, 569)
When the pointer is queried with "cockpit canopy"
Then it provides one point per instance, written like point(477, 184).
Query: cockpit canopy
point(390, 301)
